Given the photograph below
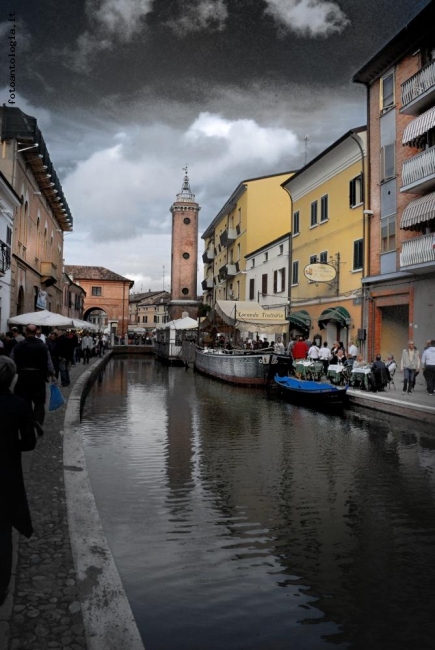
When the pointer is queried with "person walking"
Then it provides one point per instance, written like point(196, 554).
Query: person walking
point(34, 365)
point(87, 345)
point(17, 435)
point(409, 365)
point(63, 348)
point(428, 364)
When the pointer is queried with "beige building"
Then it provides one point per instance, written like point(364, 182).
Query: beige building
point(40, 220)
point(147, 310)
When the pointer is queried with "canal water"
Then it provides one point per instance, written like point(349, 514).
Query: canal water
point(240, 521)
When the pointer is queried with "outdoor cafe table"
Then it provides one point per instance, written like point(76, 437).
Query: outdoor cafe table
point(306, 368)
point(335, 373)
point(360, 378)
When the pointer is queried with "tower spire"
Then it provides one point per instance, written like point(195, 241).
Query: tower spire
point(186, 193)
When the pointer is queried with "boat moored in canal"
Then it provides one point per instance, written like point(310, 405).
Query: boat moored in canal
point(243, 367)
point(317, 394)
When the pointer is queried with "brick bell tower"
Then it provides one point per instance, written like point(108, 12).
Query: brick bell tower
point(184, 254)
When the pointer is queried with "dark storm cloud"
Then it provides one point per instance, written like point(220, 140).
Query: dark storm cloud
point(127, 92)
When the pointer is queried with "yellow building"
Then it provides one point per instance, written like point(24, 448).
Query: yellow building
point(256, 213)
point(327, 243)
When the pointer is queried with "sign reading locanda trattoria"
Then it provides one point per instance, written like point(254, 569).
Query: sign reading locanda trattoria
point(320, 272)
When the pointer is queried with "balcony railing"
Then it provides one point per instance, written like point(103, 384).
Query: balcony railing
point(227, 271)
point(418, 86)
point(207, 284)
point(48, 273)
point(208, 255)
point(420, 250)
point(418, 172)
point(228, 236)
point(5, 257)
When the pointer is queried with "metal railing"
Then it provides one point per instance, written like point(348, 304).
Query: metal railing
point(418, 167)
point(418, 251)
point(418, 83)
point(5, 257)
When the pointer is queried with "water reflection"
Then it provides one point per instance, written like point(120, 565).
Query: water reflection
point(240, 521)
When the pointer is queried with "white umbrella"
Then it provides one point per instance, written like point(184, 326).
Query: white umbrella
point(84, 324)
point(43, 318)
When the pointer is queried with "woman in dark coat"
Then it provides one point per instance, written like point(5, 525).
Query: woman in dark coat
point(17, 434)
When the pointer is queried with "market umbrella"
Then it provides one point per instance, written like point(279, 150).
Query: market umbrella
point(44, 318)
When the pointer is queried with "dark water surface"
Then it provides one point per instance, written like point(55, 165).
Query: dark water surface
point(239, 521)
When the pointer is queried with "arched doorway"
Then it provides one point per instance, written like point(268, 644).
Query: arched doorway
point(97, 317)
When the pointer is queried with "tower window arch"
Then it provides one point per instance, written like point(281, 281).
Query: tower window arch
point(186, 220)
point(185, 291)
point(186, 256)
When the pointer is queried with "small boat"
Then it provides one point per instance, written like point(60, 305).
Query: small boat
point(317, 394)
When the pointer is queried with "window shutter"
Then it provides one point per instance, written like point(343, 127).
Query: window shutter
point(275, 281)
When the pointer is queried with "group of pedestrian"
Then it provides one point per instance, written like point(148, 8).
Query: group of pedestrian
point(412, 362)
point(27, 363)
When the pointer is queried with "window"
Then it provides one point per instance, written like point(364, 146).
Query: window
point(296, 230)
point(323, 257)
point(156, 319)
point(387, 91)
point(282, 274)
point(356, 191)
point(186, 256)
point(266, 256)
point(313, 259)
point(251, 289)
point(388, 234)
point(144, 319)
point(295, 273)
point(281, 249)
point(252, 263)
point(96, 291)
point(264, 284)
point(275, 282)
point(357, 254)
point(8, 236)
point(387, 162)
point(324, 208)
point(314, 214)
point(186, 221)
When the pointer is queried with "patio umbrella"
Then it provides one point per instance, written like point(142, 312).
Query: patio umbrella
point(44, 318)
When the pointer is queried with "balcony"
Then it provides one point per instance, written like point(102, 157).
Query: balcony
point(418, 173)
point(228, 236)
point(227, 271)
point(208, 255)
point(48, 273)
point(418, 252)
point(207, 284)
point(418, 92)
point(5, 257)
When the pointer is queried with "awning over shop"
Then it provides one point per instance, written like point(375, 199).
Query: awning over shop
point(247, 316)
point(300, 319)
point(418, 127)
point(419, 211)
point(339, 315)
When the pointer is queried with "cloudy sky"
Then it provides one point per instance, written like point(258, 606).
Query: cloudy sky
point(127, 92)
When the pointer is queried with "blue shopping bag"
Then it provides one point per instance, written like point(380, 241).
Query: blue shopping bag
point(56, 398)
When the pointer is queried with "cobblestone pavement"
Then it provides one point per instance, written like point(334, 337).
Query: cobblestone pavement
point(42, 610)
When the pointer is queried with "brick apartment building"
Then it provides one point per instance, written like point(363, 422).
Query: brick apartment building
point(400, 276)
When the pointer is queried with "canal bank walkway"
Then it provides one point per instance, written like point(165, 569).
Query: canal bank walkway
point(65, 592)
